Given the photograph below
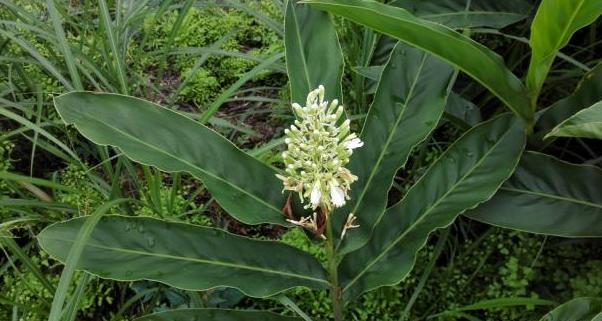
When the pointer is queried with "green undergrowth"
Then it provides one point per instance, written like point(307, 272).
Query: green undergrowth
point(213, 28)
point(500, 264)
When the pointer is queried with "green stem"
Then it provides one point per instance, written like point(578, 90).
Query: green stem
point(335, 290)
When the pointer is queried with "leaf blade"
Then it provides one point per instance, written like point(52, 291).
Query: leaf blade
point(585, 123)
point(484, 66)
point(479, 13)
point(177, 143)
point(313, 54)
point(538, 199)
point(586, 309)
point(469, 171)
point(555, 23)
point(408, 104)
point(123, 248)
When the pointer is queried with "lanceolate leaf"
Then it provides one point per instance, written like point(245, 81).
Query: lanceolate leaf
point(555, 23)
point(468, 14)
point(407, 106)
point(586, 123)
point(184, 256)
point(548, 196)
point(153, 135)
point(581, 309)
point(313, 52)
point(468, 173)
point(215, 315)
point(476, 60)
point(588, 93)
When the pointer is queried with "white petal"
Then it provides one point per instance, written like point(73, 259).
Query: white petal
point(354, 143)
point(337, 196)
point(315, 196)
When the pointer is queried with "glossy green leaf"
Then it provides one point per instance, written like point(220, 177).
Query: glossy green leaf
point(587, 93)
point(468, 14)
point(407, 106)
point(581, 309)
point(313, 53)
point(547, 196)
point(468, 173)
point(184, 256)
point(150, 134)
point(474, 59)
point(555, 23)
point(215, 315)
point(586, 123)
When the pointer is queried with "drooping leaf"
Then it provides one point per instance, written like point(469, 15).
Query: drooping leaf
point(547, 196)
point(407, 106)
point(587, 93)
point(184, 256)
point(468, 14)
point(468, 173)
point(150, 134)
point(313, 53)
point(474, 59)
point(580, 309)
point(215, 315)
point(586, 123)
point(462, 111)
point(555, 23)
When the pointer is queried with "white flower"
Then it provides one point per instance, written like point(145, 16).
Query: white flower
point(318, 149)
point(316, 196)
point(353, 144)
point(337, 196)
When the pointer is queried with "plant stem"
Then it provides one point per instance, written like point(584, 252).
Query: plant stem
point(335, 290)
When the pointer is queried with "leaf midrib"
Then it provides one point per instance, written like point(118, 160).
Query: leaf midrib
point(551, 196)
point(195, 260)
point(470, 13)
point(185, 162)
point(426, 213)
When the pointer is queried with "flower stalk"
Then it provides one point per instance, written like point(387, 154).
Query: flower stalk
point(319, 145)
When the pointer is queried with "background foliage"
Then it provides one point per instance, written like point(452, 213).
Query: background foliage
point(221, 63)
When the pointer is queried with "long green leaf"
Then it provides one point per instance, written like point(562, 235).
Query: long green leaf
point(586, 123)
point(580, 309)
point(185, 256)
point(555, 23)
point(407, 106)
point(587, 93)
point(468, 14)
point(476, 60)
point(313, 53)
point(215, 315)
point(153, 135)
point(547, 196)
point(468, 173)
